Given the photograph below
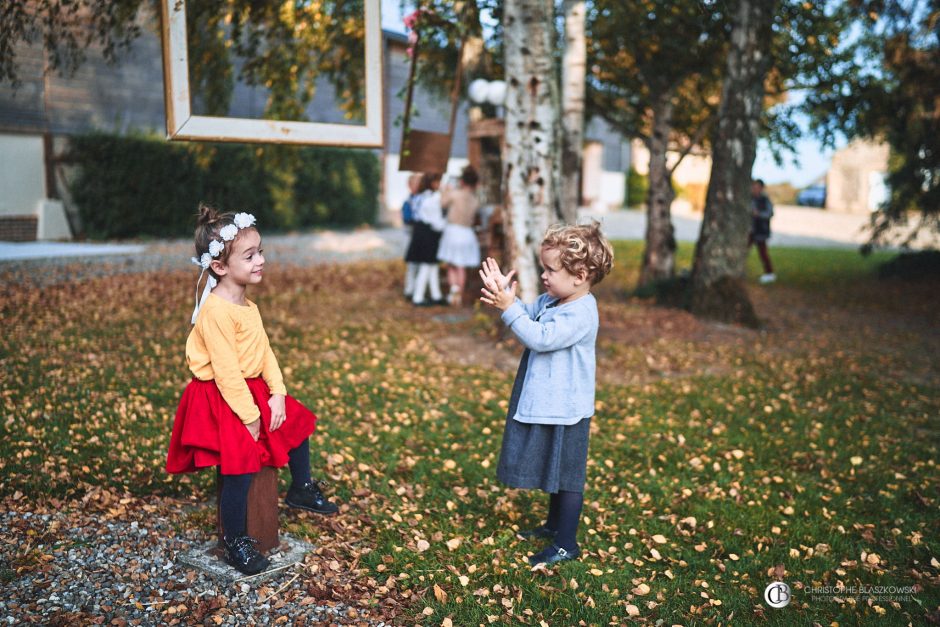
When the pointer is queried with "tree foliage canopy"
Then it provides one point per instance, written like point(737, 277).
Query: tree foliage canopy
point(639, 52)
point(890, 90)
point(66, 29)
point(282, 47)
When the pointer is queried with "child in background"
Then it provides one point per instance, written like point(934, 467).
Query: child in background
point(545, 442)
point(425, 239)
point(235, 413)
point(459, 247)
point(762, 210)
point(408, 211)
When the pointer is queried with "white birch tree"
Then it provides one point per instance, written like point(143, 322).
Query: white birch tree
point(573, 68)
point(532, 135)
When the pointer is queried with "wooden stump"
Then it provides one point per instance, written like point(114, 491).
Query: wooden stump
point(262, 520)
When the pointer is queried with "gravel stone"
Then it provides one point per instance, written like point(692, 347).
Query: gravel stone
point(94, 576)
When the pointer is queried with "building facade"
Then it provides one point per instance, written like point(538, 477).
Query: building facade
point(855, 182)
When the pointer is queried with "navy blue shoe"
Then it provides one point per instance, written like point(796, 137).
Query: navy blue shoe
point(552, 554)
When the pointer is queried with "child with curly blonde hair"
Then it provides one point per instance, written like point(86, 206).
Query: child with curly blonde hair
point(545, 442)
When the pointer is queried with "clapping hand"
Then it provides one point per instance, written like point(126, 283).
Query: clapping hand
point(499, 290)
point(493, 277)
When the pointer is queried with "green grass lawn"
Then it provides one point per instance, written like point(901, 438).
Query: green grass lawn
point(721, 459)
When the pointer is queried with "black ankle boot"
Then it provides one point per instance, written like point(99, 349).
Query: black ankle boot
point(241, 553)
point(310, 498)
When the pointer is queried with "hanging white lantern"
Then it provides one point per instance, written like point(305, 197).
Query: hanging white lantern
point(496, 93)
point(478, 90)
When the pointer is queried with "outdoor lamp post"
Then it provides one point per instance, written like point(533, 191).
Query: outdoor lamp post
point(482, 91)
point(486, 136)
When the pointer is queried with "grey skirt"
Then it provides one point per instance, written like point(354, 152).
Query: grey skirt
point(547, 457)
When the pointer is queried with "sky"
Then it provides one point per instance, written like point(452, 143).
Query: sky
point(391, 16)
point(809, 163)
point(813, 162)
point(803, 167)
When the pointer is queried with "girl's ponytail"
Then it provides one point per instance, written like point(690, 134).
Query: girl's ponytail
point(206, 215)
point(209, 221)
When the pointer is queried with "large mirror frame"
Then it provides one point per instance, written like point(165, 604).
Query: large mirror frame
point(181, 124)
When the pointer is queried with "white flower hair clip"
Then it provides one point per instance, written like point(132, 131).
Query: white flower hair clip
point(203, 261)
point(228, 232)
point(244, 220)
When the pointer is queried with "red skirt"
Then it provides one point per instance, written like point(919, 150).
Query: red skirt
point(206, 432)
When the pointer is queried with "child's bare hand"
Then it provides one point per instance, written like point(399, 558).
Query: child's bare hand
point(492, 276)
point(278, 413)
point(501, 299)
point(254, 428)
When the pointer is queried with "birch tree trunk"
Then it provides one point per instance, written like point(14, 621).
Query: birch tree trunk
point(718, 289)
point(659, 257)
point(573, 69)
point(532, 128)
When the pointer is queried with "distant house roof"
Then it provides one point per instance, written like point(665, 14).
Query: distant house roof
point(395, 36)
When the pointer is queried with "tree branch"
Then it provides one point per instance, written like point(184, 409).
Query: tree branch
point(693, 141)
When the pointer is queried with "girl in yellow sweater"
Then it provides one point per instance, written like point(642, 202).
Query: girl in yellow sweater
point(235, 413)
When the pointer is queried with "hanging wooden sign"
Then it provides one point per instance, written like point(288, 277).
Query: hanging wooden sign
point(428, 151)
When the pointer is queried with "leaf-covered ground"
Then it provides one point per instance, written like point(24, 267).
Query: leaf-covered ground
point(721, 458)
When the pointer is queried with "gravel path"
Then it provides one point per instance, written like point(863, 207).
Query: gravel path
point(792, 226)
point(115, 563)
point(45, 263)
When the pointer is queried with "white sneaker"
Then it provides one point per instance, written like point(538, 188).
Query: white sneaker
point(768, 278)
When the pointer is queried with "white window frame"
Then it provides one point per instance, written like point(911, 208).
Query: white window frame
point(181, 124)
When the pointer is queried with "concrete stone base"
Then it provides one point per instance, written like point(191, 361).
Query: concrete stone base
point(53, 224)
point(209, 559)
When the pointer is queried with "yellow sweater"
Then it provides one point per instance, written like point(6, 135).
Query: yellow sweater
point(229, 344)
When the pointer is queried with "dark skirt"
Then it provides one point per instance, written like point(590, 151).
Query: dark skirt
point(547, 457)
point(206, 432)
point(423, 245)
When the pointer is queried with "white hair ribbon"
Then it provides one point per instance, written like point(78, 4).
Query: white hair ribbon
point(210, 283)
